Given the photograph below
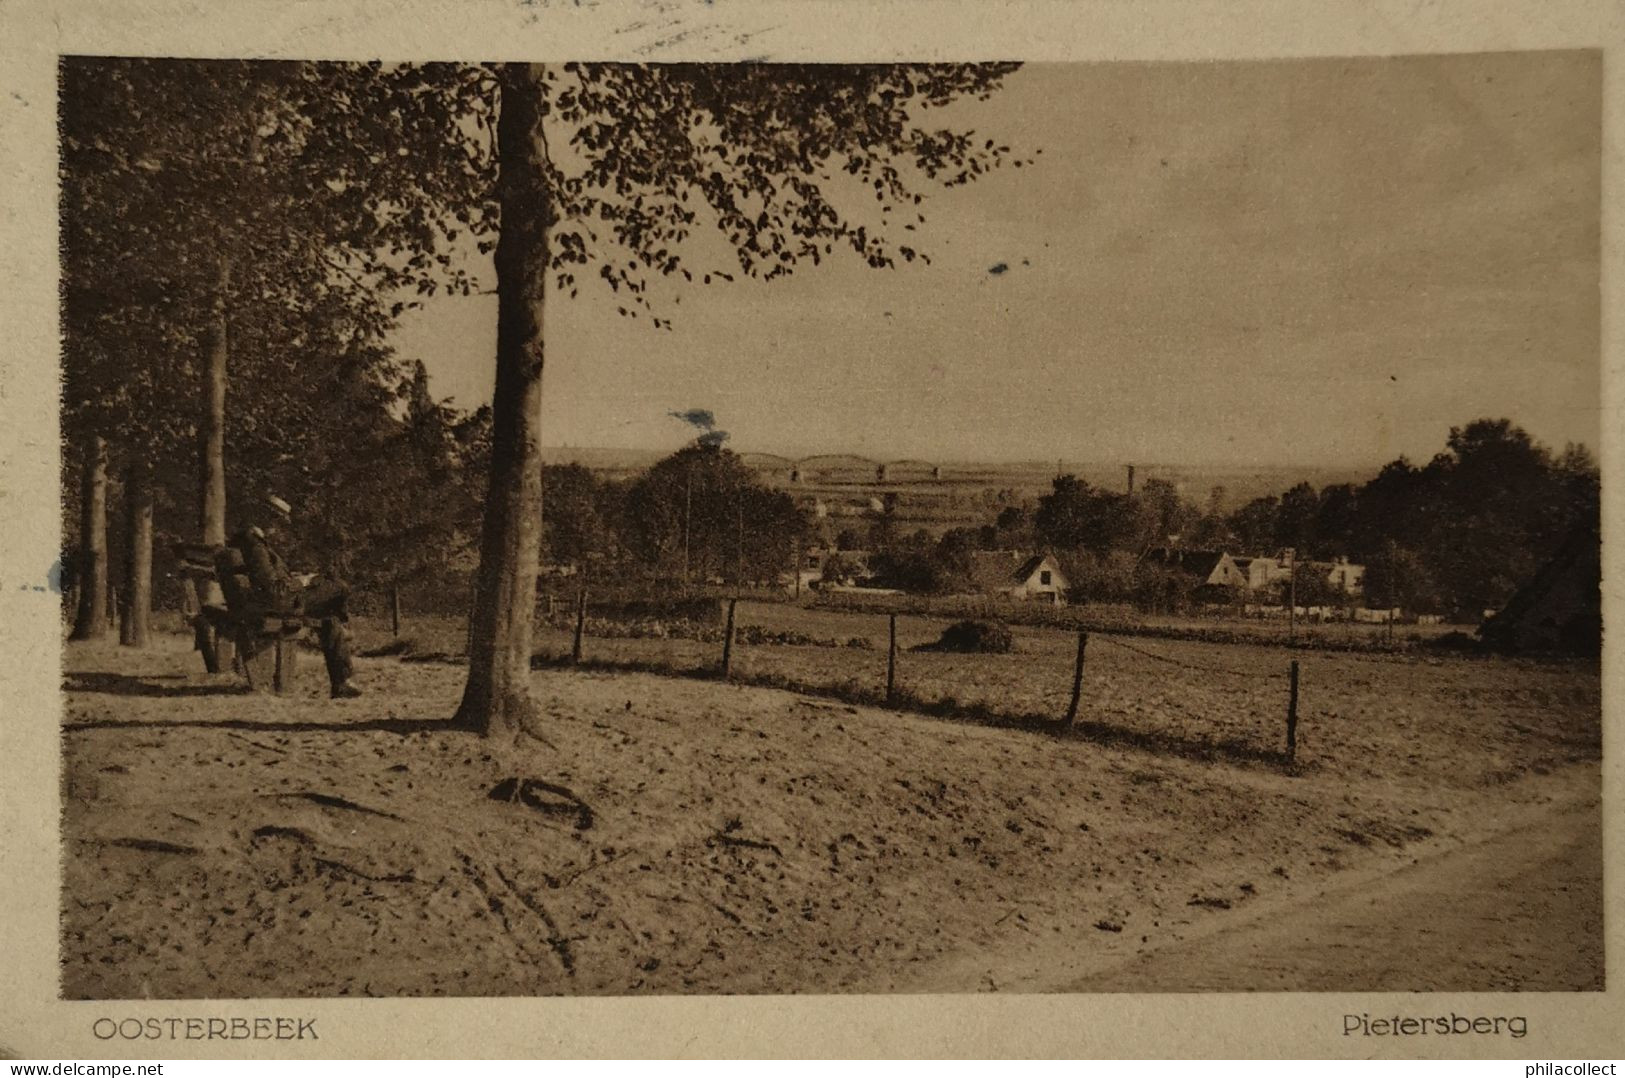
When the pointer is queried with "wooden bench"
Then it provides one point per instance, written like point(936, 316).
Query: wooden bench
point(267, 643)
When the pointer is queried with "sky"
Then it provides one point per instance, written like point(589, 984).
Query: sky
point(1326, 262)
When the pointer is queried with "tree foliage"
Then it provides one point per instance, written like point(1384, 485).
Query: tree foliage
point(702, 514)
point(1463, 531)
point(788, 162)
point(296, 208)
point(1075, 515)
point(583, 517)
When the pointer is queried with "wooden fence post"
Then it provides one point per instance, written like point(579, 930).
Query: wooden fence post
point(1292, 714)
point(581, 625)
point(728, 642)
point(1077, 680)
point(891, 661)
point(287, 659)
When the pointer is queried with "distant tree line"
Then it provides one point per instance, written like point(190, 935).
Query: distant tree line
point(1460, 533)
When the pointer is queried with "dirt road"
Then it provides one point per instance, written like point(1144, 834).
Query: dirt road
point(1520, 909)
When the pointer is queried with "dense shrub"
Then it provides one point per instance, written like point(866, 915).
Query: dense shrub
point(975, 636)
point(701, 609)
point(617, 625)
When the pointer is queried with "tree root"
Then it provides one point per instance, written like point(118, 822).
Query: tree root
point(529, 792)
point(557, 944)
point(152, 845)
point(330, 801)
point(750, 843)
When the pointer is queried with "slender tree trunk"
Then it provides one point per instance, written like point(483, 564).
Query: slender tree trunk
point(135, 627)
point(217, 650)
point(496, 700)
point(90, 620)
point(213, 516)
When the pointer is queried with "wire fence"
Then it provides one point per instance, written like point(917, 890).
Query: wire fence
point(1250, 675)
point(1047, 680)
point(1025, 685)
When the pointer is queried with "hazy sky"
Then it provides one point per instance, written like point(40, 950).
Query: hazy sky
point(1297, 262)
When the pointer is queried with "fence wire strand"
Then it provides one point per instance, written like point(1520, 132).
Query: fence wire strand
point(1199, 667)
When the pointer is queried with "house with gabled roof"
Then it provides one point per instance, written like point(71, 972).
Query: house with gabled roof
point(1012, 575)
point(1213, 573)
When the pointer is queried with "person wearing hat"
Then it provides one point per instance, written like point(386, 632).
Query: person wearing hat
point(265, 586)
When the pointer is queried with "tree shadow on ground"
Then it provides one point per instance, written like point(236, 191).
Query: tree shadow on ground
point(296, 726)
point(128, 685)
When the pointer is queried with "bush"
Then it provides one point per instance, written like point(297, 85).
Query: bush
point(702, 610)
point(755, 635)
point(988, 637)
point(1456, 641)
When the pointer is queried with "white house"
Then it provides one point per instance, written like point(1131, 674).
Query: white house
point(1009, 574)
point(1346, 577)
point(814, 562)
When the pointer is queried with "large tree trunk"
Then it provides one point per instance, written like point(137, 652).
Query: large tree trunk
point(497, 700)
point(213, 513)
point(217, 650)
point(137, 610)
point(90, 619)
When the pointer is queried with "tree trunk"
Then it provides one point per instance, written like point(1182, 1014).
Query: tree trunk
point(213, 513)
point(90, 620)
point(135, 628)
point(395, 610)
point(217, 650)
point(496, 700)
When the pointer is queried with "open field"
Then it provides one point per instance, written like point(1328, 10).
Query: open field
point(742, 839)
point(1454, 719)
point(1215, 626)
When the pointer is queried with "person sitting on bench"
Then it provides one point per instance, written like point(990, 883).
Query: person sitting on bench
point(272, 590)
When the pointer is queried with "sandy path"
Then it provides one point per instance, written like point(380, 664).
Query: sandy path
point(1519, 909)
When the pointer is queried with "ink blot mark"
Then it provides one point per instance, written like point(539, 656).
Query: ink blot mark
point(706, 421)
point(998, 268)
point(703, 418)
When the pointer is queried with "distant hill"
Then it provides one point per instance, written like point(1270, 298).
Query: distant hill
point(609, 462)
point(966, 490)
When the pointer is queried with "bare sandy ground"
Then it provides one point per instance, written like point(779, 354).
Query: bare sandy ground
point(1519, 909)
point(220, 844)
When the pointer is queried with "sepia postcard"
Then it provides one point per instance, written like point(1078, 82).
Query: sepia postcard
point(811, 529)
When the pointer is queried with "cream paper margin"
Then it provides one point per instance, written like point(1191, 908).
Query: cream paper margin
point(33, 33)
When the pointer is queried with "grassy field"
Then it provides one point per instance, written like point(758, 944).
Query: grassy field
point(1214, 626)
point(1459, 720)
